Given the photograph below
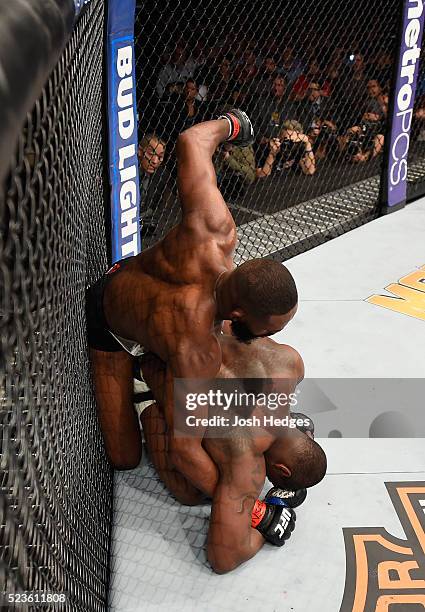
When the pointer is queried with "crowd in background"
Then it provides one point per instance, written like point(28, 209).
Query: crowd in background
point(305, 109)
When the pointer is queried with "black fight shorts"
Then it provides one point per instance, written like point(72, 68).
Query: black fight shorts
point(99, 336)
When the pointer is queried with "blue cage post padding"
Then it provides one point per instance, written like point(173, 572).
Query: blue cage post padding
point(122, 124)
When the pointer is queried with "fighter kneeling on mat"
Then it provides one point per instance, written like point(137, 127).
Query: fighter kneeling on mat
point(171, 298)
point(240, 523)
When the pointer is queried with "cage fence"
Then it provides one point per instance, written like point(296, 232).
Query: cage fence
point(314, 80)
point(55, 483)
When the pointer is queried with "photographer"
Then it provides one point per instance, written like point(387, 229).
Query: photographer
point(364, 142)
point(323, 137)
point(291, 150)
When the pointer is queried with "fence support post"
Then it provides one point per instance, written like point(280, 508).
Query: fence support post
point(122, 122)
point(400, 113)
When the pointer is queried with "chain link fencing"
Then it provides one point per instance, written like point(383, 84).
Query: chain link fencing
point(314, 78)
point(55, 483)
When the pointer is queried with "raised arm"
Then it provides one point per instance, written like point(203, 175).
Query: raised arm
point(203, 206)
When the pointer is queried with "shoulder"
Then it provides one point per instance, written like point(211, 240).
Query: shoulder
point(287, 358)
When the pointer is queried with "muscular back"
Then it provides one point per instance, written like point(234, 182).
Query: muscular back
point(262, 358)
point(166, 294)
point(164, 299)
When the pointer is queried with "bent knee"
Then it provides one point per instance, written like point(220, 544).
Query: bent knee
point(125, 460)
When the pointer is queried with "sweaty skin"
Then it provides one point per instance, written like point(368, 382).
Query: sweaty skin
point(239, 457)
point(165, 299)
point(171, 299)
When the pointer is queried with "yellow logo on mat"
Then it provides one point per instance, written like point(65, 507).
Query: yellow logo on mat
point(409, 295)
point(385, 573)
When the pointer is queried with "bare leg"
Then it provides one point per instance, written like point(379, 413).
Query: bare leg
point(113, 384)
point(155, 430)
point(156, 435)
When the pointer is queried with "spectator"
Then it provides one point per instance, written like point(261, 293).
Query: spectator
point(315, 106)
point(272, 46)
point(220, 81)
point(418, 123)
point(271, 110)
point(334, 69)
point(290, 67)
point(240, 97)
point(268, 71)
point(376, 101)
point(246, 73)
point(292, 150)
point(365, 141)
point(235, 168)
point(183, 109)
point(268, 155)
point(193, 109)
point(179, 69)
point(383, 67)
point(300, 89)
point(349, 94)
point(359, 67)
point(153, 182)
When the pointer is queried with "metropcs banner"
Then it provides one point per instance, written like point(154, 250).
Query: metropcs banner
point(122, 120)
point(404, 98)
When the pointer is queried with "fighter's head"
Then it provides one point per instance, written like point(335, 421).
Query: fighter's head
point(261, 299)
point(295, 461)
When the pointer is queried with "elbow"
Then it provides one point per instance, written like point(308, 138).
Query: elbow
point(188, 138)
point(222, 564)
point(122, 461)
point(221, 569)
point(124, 456)
point(226, 559)
point(185, 142)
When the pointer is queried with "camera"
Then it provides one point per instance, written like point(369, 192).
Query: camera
point(354, 146)
point(369, 130)
point(291, 150)
point(327, 139)
point(363, 141)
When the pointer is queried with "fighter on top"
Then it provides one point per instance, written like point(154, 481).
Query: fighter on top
point(172, 298)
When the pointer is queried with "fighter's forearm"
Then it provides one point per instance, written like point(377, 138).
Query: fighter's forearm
point(203, 138)
point(200, 199)
point(224, 559)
